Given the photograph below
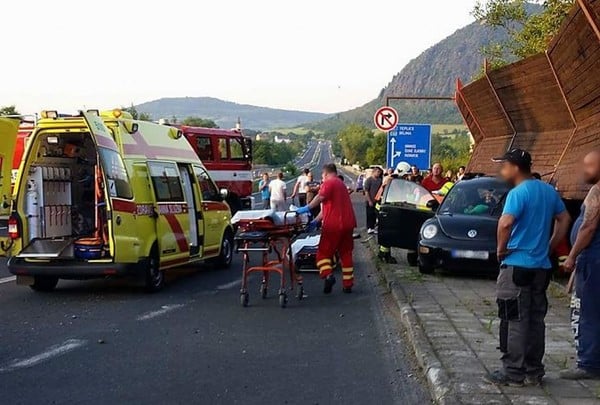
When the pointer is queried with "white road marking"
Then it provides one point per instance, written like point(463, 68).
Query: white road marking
point(7, 279)
point(229, 285)
point(53, 351)
point(163, 310)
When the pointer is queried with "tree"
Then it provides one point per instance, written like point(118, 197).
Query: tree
point(355, 139)
point(9, 110)
point(135, 114)
point(376, 153)
point(199, 122)
point(530, 27)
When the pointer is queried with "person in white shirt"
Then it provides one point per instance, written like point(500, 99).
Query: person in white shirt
point(300, 188)
point(278, 190)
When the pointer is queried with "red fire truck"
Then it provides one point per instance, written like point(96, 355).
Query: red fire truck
point(227, 154)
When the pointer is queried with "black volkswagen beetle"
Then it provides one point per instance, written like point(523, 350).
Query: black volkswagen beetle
point(459, 234)
point(462, 234)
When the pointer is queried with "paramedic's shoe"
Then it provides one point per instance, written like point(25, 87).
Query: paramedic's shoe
point(370, 231)
point(329, 282)
point(347, 290)
point(578, 374)
point(499, 377)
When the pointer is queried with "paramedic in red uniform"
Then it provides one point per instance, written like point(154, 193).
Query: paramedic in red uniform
point(337, 228)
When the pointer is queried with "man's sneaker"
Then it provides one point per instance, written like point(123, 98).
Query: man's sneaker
point(578, 374)
point(347, 290)
point(370, 231)
point(329, 282)
point(498, 377)
point(534, 380)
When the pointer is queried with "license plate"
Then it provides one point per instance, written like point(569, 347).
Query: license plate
point(471, 254)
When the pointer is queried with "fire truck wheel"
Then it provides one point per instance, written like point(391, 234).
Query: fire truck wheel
point(226, 256)
point(155, 277)
point(44, 284)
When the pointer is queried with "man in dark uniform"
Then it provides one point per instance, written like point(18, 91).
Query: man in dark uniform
point(585, 259)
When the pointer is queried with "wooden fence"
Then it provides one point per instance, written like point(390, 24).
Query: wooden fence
point(548, 104)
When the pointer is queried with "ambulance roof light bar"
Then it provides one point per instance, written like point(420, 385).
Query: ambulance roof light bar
point(25, 118)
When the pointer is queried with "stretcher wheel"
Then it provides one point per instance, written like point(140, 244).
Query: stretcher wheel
point(244, 299)
point(300, 295)
point(263, 291)
point(283, 300)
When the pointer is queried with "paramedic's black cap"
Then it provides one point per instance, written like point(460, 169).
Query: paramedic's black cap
point(518, 157)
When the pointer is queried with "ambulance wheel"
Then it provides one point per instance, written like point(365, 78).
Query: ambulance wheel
point(44, 284)
point(155, 277)
point(226, 256)
point(412, 258)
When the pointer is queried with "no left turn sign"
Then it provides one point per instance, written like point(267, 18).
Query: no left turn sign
point(386, 119)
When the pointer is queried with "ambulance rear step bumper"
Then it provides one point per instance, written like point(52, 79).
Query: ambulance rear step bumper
point(71, 269)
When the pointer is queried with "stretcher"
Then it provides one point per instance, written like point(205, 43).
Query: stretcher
point(269, 234)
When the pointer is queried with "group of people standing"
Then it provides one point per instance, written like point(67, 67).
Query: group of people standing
point(274, 193)
point(533, 222)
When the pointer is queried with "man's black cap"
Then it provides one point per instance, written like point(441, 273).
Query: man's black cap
point(518, 157)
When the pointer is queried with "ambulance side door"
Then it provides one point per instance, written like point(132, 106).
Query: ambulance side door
point(198, 173)
point(171, 213)
point(212, 206)
point(8, 135)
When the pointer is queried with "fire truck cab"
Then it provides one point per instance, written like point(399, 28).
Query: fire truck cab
point(101, 195)
point(227, 154)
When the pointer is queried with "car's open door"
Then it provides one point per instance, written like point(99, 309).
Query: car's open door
point(404, 208)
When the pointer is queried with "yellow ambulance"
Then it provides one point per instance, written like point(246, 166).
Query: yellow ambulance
point(101, 194)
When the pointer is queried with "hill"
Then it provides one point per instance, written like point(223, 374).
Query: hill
point(226, 113)
point(433, 73)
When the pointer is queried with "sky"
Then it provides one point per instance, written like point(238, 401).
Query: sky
point(313, 55)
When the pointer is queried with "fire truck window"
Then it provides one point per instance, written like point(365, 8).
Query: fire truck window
point(236, 149)
point(116, 174)
point(208, 188)
point(223, 148)
point(204, 147)
point(166, 182)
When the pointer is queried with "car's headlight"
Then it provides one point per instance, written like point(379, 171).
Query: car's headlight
point(429, 231)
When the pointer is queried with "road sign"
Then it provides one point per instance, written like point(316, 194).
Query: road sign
point(386, 119)
point(410, 143)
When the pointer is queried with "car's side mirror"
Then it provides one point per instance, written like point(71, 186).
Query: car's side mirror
point(432, 205)
point(224, 193)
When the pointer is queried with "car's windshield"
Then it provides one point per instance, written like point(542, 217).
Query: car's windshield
point(475, 197)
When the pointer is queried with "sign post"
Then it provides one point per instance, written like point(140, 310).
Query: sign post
point(410, 143)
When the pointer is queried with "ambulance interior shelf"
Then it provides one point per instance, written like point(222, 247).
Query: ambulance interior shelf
point(60, 202)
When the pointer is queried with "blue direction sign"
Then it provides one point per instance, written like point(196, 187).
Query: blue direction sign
point(410, 143)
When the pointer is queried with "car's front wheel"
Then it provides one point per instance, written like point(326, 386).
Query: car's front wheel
point(154, 277)
point(226, 255)
point(412, 258)
point(425, 269)
point(44, 283)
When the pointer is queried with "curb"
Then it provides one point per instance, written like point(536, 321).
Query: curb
point(438, 379)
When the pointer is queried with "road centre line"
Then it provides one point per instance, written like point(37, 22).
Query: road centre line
point(7, 279)
point(53, 351)
point(163, 310)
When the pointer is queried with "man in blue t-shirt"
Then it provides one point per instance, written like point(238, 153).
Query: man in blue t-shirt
point(534, 220)
point(265, 193)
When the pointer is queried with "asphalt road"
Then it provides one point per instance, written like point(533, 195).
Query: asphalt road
point(106, 341)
